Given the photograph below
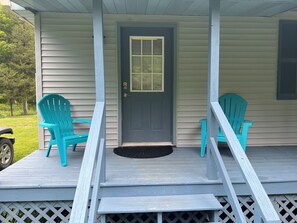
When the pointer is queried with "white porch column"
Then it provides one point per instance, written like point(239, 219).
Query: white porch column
point(99, 69)
point(38, 78)
point(213, 80)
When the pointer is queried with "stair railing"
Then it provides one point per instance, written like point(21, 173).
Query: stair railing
point(232, 197)
point(91, 169)
point(264, 210)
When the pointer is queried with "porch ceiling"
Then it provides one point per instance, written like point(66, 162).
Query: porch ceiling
point(165, 7)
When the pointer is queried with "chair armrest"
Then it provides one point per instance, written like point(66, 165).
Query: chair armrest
point(87, 121)
point(203, 122)
point(54, 131)
point(245, 127)
point(47, 125)
point(247, 123)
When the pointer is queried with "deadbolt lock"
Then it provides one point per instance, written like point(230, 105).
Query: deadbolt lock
point(125, 85)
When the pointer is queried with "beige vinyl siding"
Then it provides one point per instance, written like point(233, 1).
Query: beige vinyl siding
point(248, 66)
point(68, 67)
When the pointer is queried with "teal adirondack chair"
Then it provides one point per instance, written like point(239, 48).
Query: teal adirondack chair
point(234, 107)
point(55, 110)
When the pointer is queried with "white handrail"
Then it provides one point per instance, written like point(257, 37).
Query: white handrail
point(262, 200)
point(79, 212)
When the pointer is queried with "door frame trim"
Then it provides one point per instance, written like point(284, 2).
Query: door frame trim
point(172, 26)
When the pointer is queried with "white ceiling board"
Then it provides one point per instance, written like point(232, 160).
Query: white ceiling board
point(165, 7)
point(26, 15)
point(131, 6)
point(281, 8)
point(152, 6)
point(120, 6)
point(198, 7)
point(178, 7)
point(110, 7)
point(142, 6)
point(30, 5)
point(82, 6)
point(162, 6)
point(88, 4)
point(67, 5)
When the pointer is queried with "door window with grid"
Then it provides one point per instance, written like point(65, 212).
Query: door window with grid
point(146, 64)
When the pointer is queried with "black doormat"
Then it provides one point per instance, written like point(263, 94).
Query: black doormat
point(143, 152)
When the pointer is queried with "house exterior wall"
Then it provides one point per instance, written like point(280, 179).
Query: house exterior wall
point(248, 66)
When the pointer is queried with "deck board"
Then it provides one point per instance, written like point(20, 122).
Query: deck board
point(183, 166)
point(157, 204)
point(36, 170)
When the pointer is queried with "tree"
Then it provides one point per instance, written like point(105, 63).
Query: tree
point(6, 26)
point(17, 68)
point(9, 90)
point(23, 61)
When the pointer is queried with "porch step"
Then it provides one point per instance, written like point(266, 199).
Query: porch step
point(159, 204)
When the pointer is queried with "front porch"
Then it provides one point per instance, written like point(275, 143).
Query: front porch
point(39, 188)
point(37, 178)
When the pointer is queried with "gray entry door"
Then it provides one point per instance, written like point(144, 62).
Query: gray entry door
point(146, 88)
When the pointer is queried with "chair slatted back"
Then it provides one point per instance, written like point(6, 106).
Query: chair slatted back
point(234, 107)
point(55, 109)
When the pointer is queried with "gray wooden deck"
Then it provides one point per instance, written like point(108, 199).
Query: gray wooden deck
point(44, 177)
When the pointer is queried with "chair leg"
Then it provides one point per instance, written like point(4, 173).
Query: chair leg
point(62, 147)
point(63, 157)
point(74, 147)
point(203, 146)
point(48, 149)
point(203, 124)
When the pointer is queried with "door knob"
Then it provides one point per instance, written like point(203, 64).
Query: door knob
point(125, 95)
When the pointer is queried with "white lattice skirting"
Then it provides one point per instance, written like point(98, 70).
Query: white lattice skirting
point(59, 212)
point(28, 212)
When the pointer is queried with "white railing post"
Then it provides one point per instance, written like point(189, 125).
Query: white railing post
point(257, 216)
point(96, 184)
point(213, 80)
point(98, 33)
point(98, 50)
point(103, 160)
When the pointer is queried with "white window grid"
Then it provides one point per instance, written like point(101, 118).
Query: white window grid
point(141, 38)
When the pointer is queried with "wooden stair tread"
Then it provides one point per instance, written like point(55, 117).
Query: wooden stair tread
point(149, 204)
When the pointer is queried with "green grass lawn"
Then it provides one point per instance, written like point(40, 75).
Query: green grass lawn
point(25, 133)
